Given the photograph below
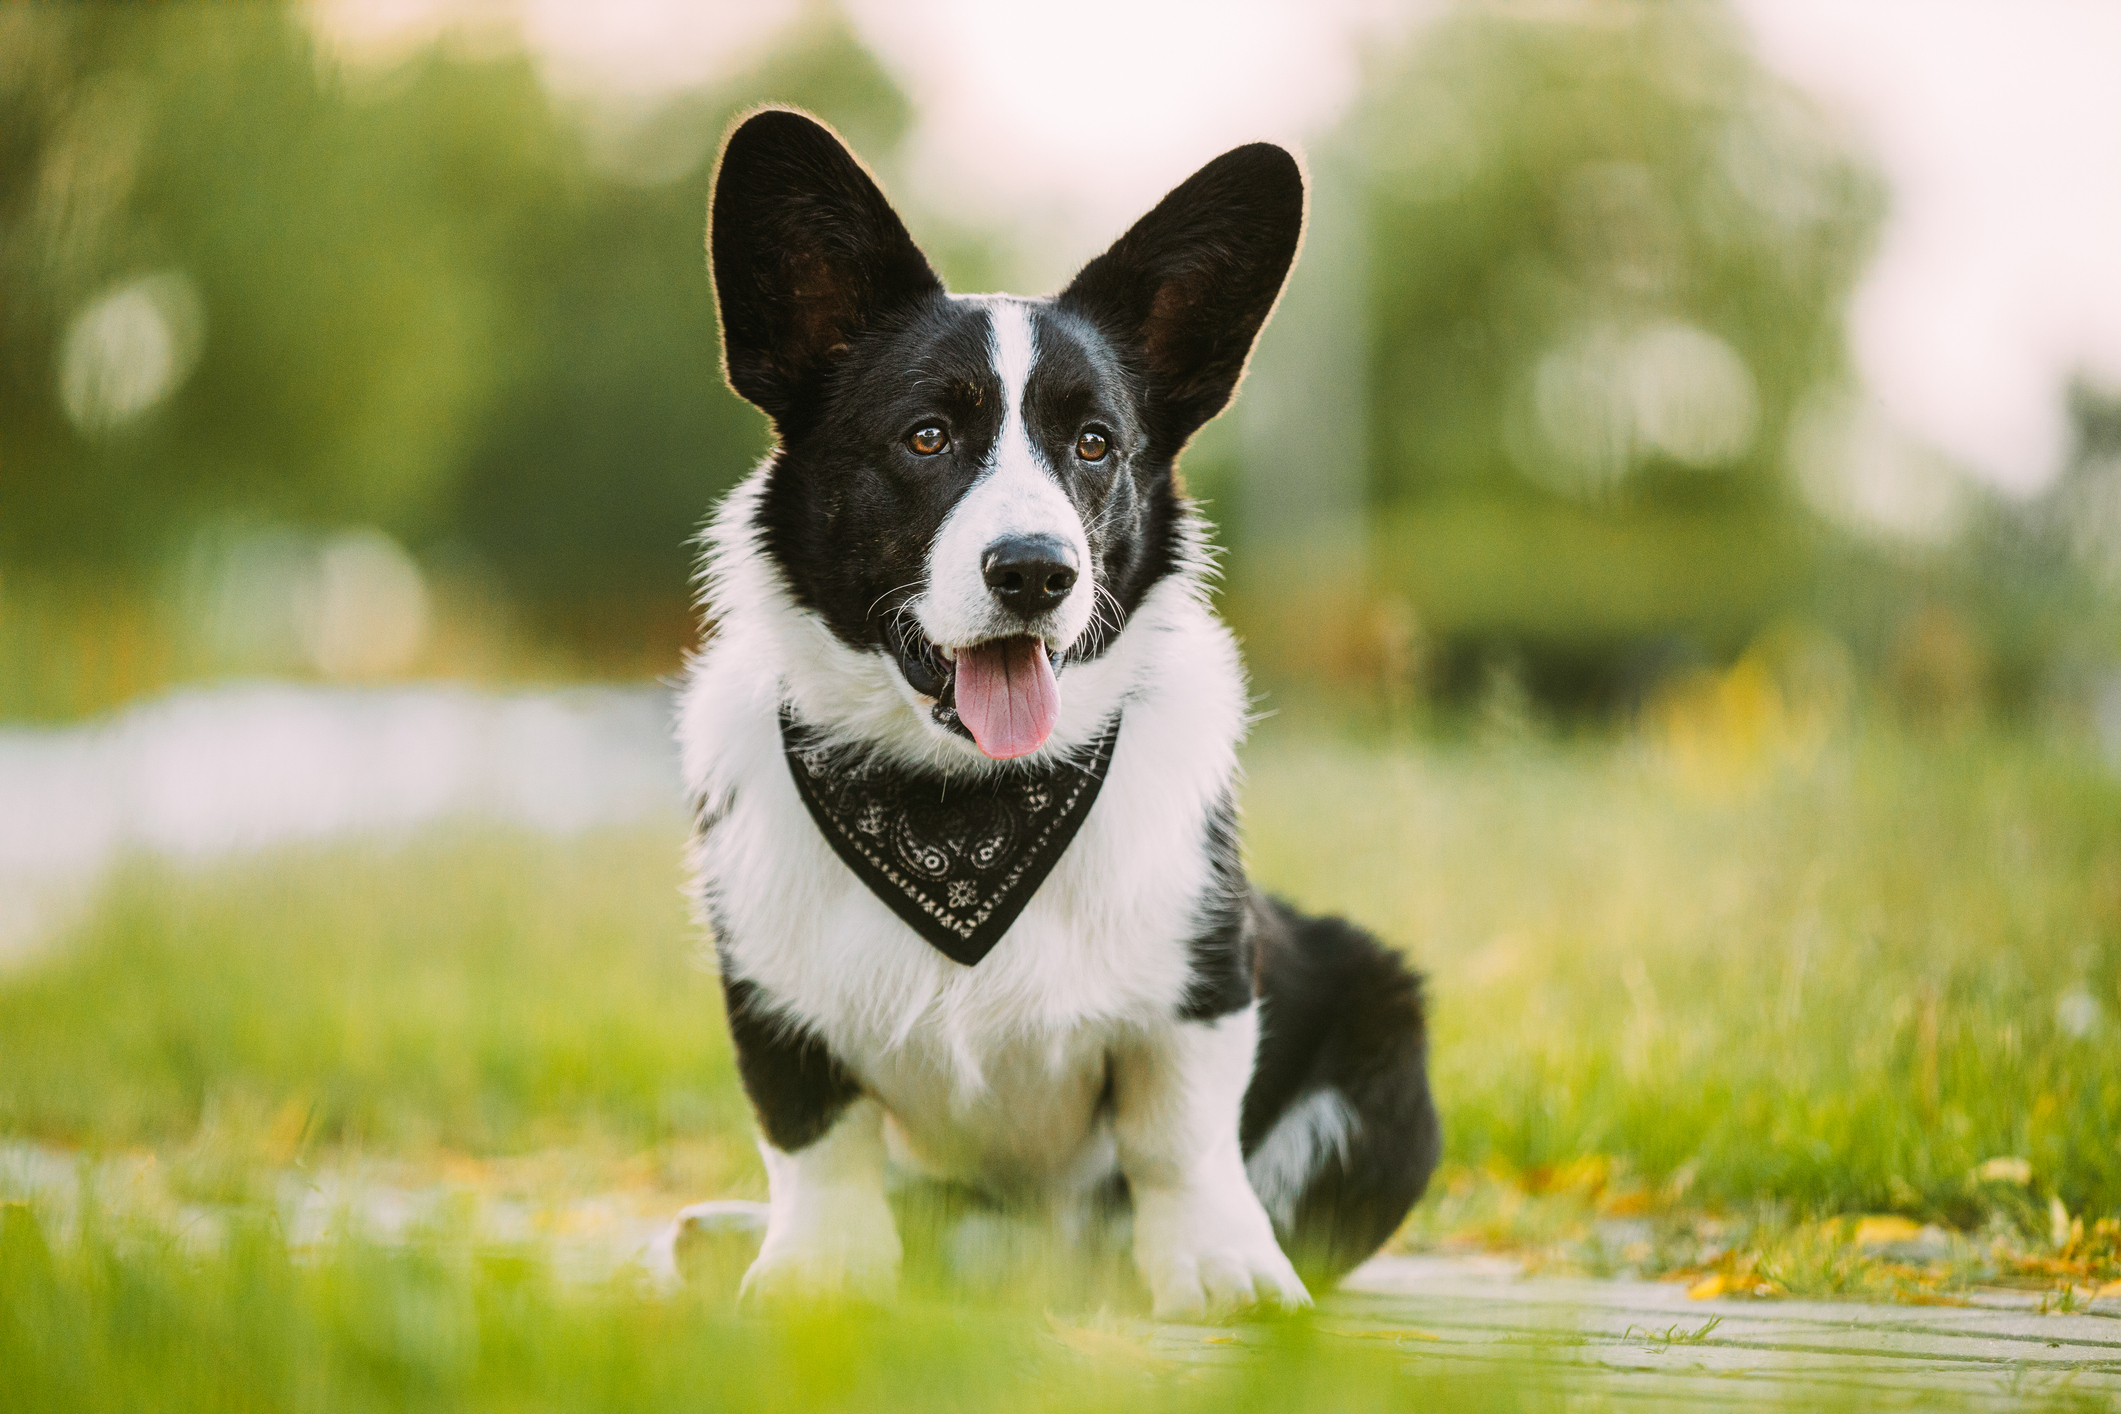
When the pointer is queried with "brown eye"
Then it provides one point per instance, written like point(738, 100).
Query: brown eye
point(927, 441)
point(1091, 446)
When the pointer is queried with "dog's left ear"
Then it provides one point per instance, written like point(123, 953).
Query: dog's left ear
point(807, 254)
point(1187, 288)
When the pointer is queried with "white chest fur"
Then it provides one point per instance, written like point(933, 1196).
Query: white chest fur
point(988, 1073)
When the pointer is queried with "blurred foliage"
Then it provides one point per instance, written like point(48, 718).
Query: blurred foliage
point(255, 294)
point(1545, 191)
point(427, 303)
point(1607, 256)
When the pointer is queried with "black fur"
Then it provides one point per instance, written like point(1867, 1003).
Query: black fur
point(1222, 950)
point(797, 1086)
point(1338, 1008)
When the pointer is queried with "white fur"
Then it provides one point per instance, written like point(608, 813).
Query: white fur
point(1319, 1125)
point(992, 1074)
point(828, 1226)
point(1015, 495)
point(1201, 1239)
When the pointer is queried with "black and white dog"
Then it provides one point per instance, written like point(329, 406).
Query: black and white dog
point(963, 746)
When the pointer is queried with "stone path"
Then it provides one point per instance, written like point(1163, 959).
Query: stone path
point(1648, 1340)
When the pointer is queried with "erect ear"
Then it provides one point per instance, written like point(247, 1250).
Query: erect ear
point(806, 254)
point(1186, 289)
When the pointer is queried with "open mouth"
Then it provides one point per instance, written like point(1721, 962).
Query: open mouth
point(1001, 693)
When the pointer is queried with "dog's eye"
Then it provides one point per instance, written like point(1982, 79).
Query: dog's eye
point(927, 441)
point(1091, 446)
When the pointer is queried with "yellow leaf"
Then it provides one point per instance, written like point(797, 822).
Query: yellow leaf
point(2112, 1288)
point(1882, 1231)
point(1714, 1284)
point(2005, 1170)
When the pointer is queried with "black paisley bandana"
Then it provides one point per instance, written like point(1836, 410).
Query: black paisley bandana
point(957, 859)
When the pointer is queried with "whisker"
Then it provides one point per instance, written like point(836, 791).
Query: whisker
point(910, 584)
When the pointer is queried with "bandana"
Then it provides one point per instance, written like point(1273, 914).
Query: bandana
point(958, 859)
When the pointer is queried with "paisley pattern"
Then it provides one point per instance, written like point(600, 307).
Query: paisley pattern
point(957, 859)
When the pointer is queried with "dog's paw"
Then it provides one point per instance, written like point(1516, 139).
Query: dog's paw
point(1200, 1263)
point(821, 1269)
point(1209, 1282)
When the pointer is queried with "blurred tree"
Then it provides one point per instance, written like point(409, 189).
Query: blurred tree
point(1607, 257)
point(603, 454)
point(243, 283)
point(332, 257)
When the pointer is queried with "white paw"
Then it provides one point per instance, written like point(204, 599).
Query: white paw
point(1212, 1281)
point(822, 1267)
point(1202, 1264)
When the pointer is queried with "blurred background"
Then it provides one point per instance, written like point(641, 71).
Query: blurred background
point(1674, 521)
point(372, 342)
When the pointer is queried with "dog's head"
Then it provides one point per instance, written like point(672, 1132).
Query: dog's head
point(980, 487)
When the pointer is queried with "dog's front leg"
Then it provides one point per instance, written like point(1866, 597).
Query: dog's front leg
point(829, 1230)
point(1202, 1241)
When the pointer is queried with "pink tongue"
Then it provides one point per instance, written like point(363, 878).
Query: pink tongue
point(1007, 696)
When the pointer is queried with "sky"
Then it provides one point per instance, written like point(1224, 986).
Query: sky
point(1997, 124)
point(1998, 127)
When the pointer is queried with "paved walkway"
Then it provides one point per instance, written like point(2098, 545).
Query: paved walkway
point(1648, 1339)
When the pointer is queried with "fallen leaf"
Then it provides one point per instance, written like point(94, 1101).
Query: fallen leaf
point(2005, 1170)
point(2112, 1288)
point(1630, 1204)
point(1883, 1231)
point(1712, 1285)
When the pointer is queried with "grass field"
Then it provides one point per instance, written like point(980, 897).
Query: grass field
point(1737, 998)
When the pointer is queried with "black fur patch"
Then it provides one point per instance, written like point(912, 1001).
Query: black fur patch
point(1339, 1009)
point(797, 1086)
point(1221, 951)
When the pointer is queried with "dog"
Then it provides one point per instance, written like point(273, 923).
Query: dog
point(962, 747)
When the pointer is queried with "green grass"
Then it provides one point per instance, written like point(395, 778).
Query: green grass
point(1838, 981)
point(1734, 972)
point(485, 993)
point(124, 1320)
point(121, 1318)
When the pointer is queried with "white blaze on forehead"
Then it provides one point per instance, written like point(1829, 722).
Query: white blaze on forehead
point(1012, 344)
point(1016, 493)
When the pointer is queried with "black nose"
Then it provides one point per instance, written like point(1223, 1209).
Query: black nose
point(1029, 574)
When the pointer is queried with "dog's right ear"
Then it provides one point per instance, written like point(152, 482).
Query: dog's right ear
point(806, 254)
